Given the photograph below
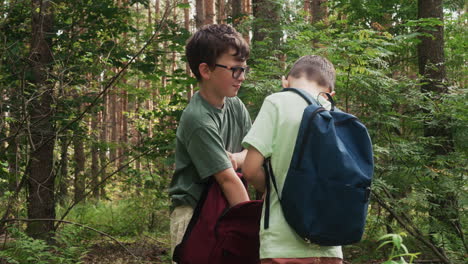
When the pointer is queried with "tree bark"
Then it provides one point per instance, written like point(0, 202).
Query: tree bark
point(221, 12)
point(236, 7)
point(267, 14)
point(63, 176)
point(307, 10)
point(209, 12)
point(41, 196)
point(318, 9)
point(103, 149)
point(79, 157)
point(431, 59)
point(94, 157)
point(200, 13)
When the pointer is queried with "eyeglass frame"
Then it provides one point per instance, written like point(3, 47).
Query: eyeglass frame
point(243, 70)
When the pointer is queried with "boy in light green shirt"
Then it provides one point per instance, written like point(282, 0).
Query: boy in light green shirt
point(273, 135)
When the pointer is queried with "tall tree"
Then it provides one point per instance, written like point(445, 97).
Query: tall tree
point(267, 15)
point(431, 59)
point(318, 10)
point(221, 11)
point(41, 178)
point(79, 157)
point(199, 13)
point(236, 7)
point(209, 12)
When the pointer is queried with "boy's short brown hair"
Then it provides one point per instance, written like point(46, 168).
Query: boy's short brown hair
point(210, 42)
point(315, 68)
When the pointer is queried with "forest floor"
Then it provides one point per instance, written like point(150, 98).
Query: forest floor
point(145, 250)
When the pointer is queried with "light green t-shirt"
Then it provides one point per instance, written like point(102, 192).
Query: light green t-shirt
point(203, 136)
point(274, 134)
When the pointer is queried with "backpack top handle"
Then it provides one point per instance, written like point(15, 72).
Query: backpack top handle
point(309, 99)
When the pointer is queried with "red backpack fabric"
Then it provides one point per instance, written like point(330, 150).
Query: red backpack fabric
point(218, 234)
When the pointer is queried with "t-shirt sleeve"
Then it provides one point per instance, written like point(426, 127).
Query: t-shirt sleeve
point(247, 121)
point(206, 150)
point(262, 134)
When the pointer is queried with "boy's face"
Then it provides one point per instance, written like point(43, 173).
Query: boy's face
point(221, 78)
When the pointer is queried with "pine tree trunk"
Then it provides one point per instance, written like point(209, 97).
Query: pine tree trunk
point(200, 13)
point(94, 157)
point(63, 177)
point(318, 9)
point(209, 12)
point(187, 27)
point(221, 11)
point(79, 157)
point(41, 178)
point(103, 150)
point(431, 59)
point(236, 7)
point(307, 10)
point(267, 14)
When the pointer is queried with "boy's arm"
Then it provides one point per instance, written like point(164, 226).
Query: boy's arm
point(232, 186)
point(253, 169)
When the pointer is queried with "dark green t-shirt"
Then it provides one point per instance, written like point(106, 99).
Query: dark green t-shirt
point(204, 135)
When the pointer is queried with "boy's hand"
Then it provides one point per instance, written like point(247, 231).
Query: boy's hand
point(233, 159)
point(237, 159)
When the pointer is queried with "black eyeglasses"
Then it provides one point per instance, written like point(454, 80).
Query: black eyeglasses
point(236, 71)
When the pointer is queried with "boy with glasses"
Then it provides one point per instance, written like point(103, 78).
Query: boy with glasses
point(212, 125)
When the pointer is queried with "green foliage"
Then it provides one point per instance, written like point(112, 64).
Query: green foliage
point(398, 250)
point(122, 218)
point(25, 250)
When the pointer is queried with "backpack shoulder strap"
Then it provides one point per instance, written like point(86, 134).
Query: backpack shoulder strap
point(269, 175)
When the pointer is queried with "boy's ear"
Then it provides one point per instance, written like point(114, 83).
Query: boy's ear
point(284, 82)
point(205, 71)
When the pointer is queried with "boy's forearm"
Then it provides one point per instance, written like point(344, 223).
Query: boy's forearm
point(232, 186)
point(258, 181)
point(253, 169)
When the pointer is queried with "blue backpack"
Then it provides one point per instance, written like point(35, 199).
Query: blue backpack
point(326, 191)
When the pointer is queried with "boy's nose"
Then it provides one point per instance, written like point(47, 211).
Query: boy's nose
point(241, 76)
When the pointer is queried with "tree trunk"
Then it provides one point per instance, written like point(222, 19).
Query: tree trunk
point(318, 10)
point(431, 59)
point(431, 56)
point(103, 149)
point(221, 12)
point(94, 157)
point(267, 14)
point(307, 10)
point(236, 6)
point(187, 27)
point(200, 13)
point(209, 12)
point(41, 197)
point(63, 176)
point(79, 158)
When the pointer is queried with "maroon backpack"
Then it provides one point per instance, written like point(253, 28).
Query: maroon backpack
point(218, 234)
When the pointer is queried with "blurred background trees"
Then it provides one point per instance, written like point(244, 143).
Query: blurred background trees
point(91, 92)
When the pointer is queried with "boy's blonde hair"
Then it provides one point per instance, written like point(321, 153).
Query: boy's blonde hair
point(315, 68)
